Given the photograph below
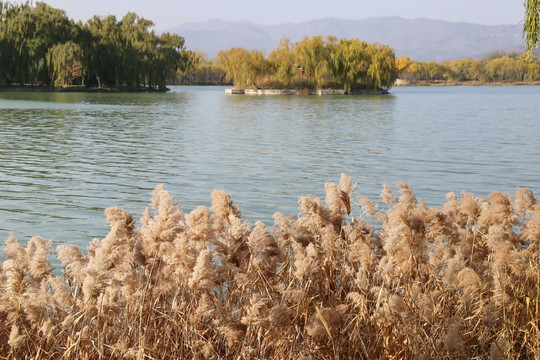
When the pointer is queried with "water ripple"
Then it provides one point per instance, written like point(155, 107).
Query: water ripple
point(65, 157)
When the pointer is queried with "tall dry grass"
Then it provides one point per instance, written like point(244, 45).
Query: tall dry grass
point(409, 282)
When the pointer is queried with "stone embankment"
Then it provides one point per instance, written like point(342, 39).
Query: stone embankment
point(284, 92)
point(235, 91)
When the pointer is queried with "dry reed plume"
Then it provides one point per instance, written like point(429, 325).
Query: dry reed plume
point(407, 282)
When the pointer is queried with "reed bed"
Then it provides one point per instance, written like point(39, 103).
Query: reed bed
point(397, 280)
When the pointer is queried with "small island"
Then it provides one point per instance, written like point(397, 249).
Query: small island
point(312, 66)
point(306, 91)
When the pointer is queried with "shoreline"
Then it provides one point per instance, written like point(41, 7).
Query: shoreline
point(302, 92)
point(235, 91)
point(81, 89)
point(467, 83)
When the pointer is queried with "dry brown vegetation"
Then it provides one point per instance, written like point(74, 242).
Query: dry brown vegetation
point(402, 281)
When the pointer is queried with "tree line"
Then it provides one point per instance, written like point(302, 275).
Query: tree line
point(313, 62)
point(494, 68)
point(349, 64)
point(40, 45)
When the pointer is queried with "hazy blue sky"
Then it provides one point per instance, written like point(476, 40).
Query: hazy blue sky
point(169, 13)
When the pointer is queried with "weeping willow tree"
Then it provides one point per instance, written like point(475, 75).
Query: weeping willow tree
point(313, 54)
point(65, 63)
point(531, 29)
point(242, 66)
point(27, 32)
point(40, 45)
point(281, 61)
point(349, 62)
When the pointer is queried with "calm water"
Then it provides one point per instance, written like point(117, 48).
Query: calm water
point(65, 157)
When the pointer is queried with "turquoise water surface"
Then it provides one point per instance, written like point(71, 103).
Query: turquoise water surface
point(65, 157)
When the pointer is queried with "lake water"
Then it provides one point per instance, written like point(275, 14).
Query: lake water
point(65, 157)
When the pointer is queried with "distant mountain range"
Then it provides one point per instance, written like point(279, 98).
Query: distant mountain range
point(420, 39)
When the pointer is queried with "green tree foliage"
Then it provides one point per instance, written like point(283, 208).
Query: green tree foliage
point(233, 62)
point(350, 62)
point(65, 63)
point(242, 66)
point(134, 50)
point(129, 53)
point(51, 26)
point(196, 68)
point(257, 65)
point(282, 63)
point(191, 62)
point(382, 70)
point(531, 29)
point(101, 43)
point(27, 33)
point(36, 40)
point(7, 50)
point(313, 55)
point(312, 62)
point(165, 58)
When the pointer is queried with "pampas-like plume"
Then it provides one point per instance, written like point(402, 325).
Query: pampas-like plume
point(497, 212)
point(14, 277)
point(37, 251)
point(234, 332)
point(16, 339)
point(199, 224)
point(337, 202)
point(304, 262)
point(324, 324)
point(311, 206)
point(203, 277)
point(13, 251)
point(453, 340)
point(264, 249)
point(223, 209)
point(411, 281)
point(387, 195)
point(470, 281)
point(166, 223)
point(257, 310)
point(525, 201)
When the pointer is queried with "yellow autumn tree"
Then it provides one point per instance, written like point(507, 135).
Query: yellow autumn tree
point(402, 63)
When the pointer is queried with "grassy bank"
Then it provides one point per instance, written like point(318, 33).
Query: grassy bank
point(346, 279)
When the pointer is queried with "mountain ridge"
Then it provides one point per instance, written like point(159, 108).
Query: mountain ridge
point(421, 39)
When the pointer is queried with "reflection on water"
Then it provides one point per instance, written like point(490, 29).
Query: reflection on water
point(65, 157)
